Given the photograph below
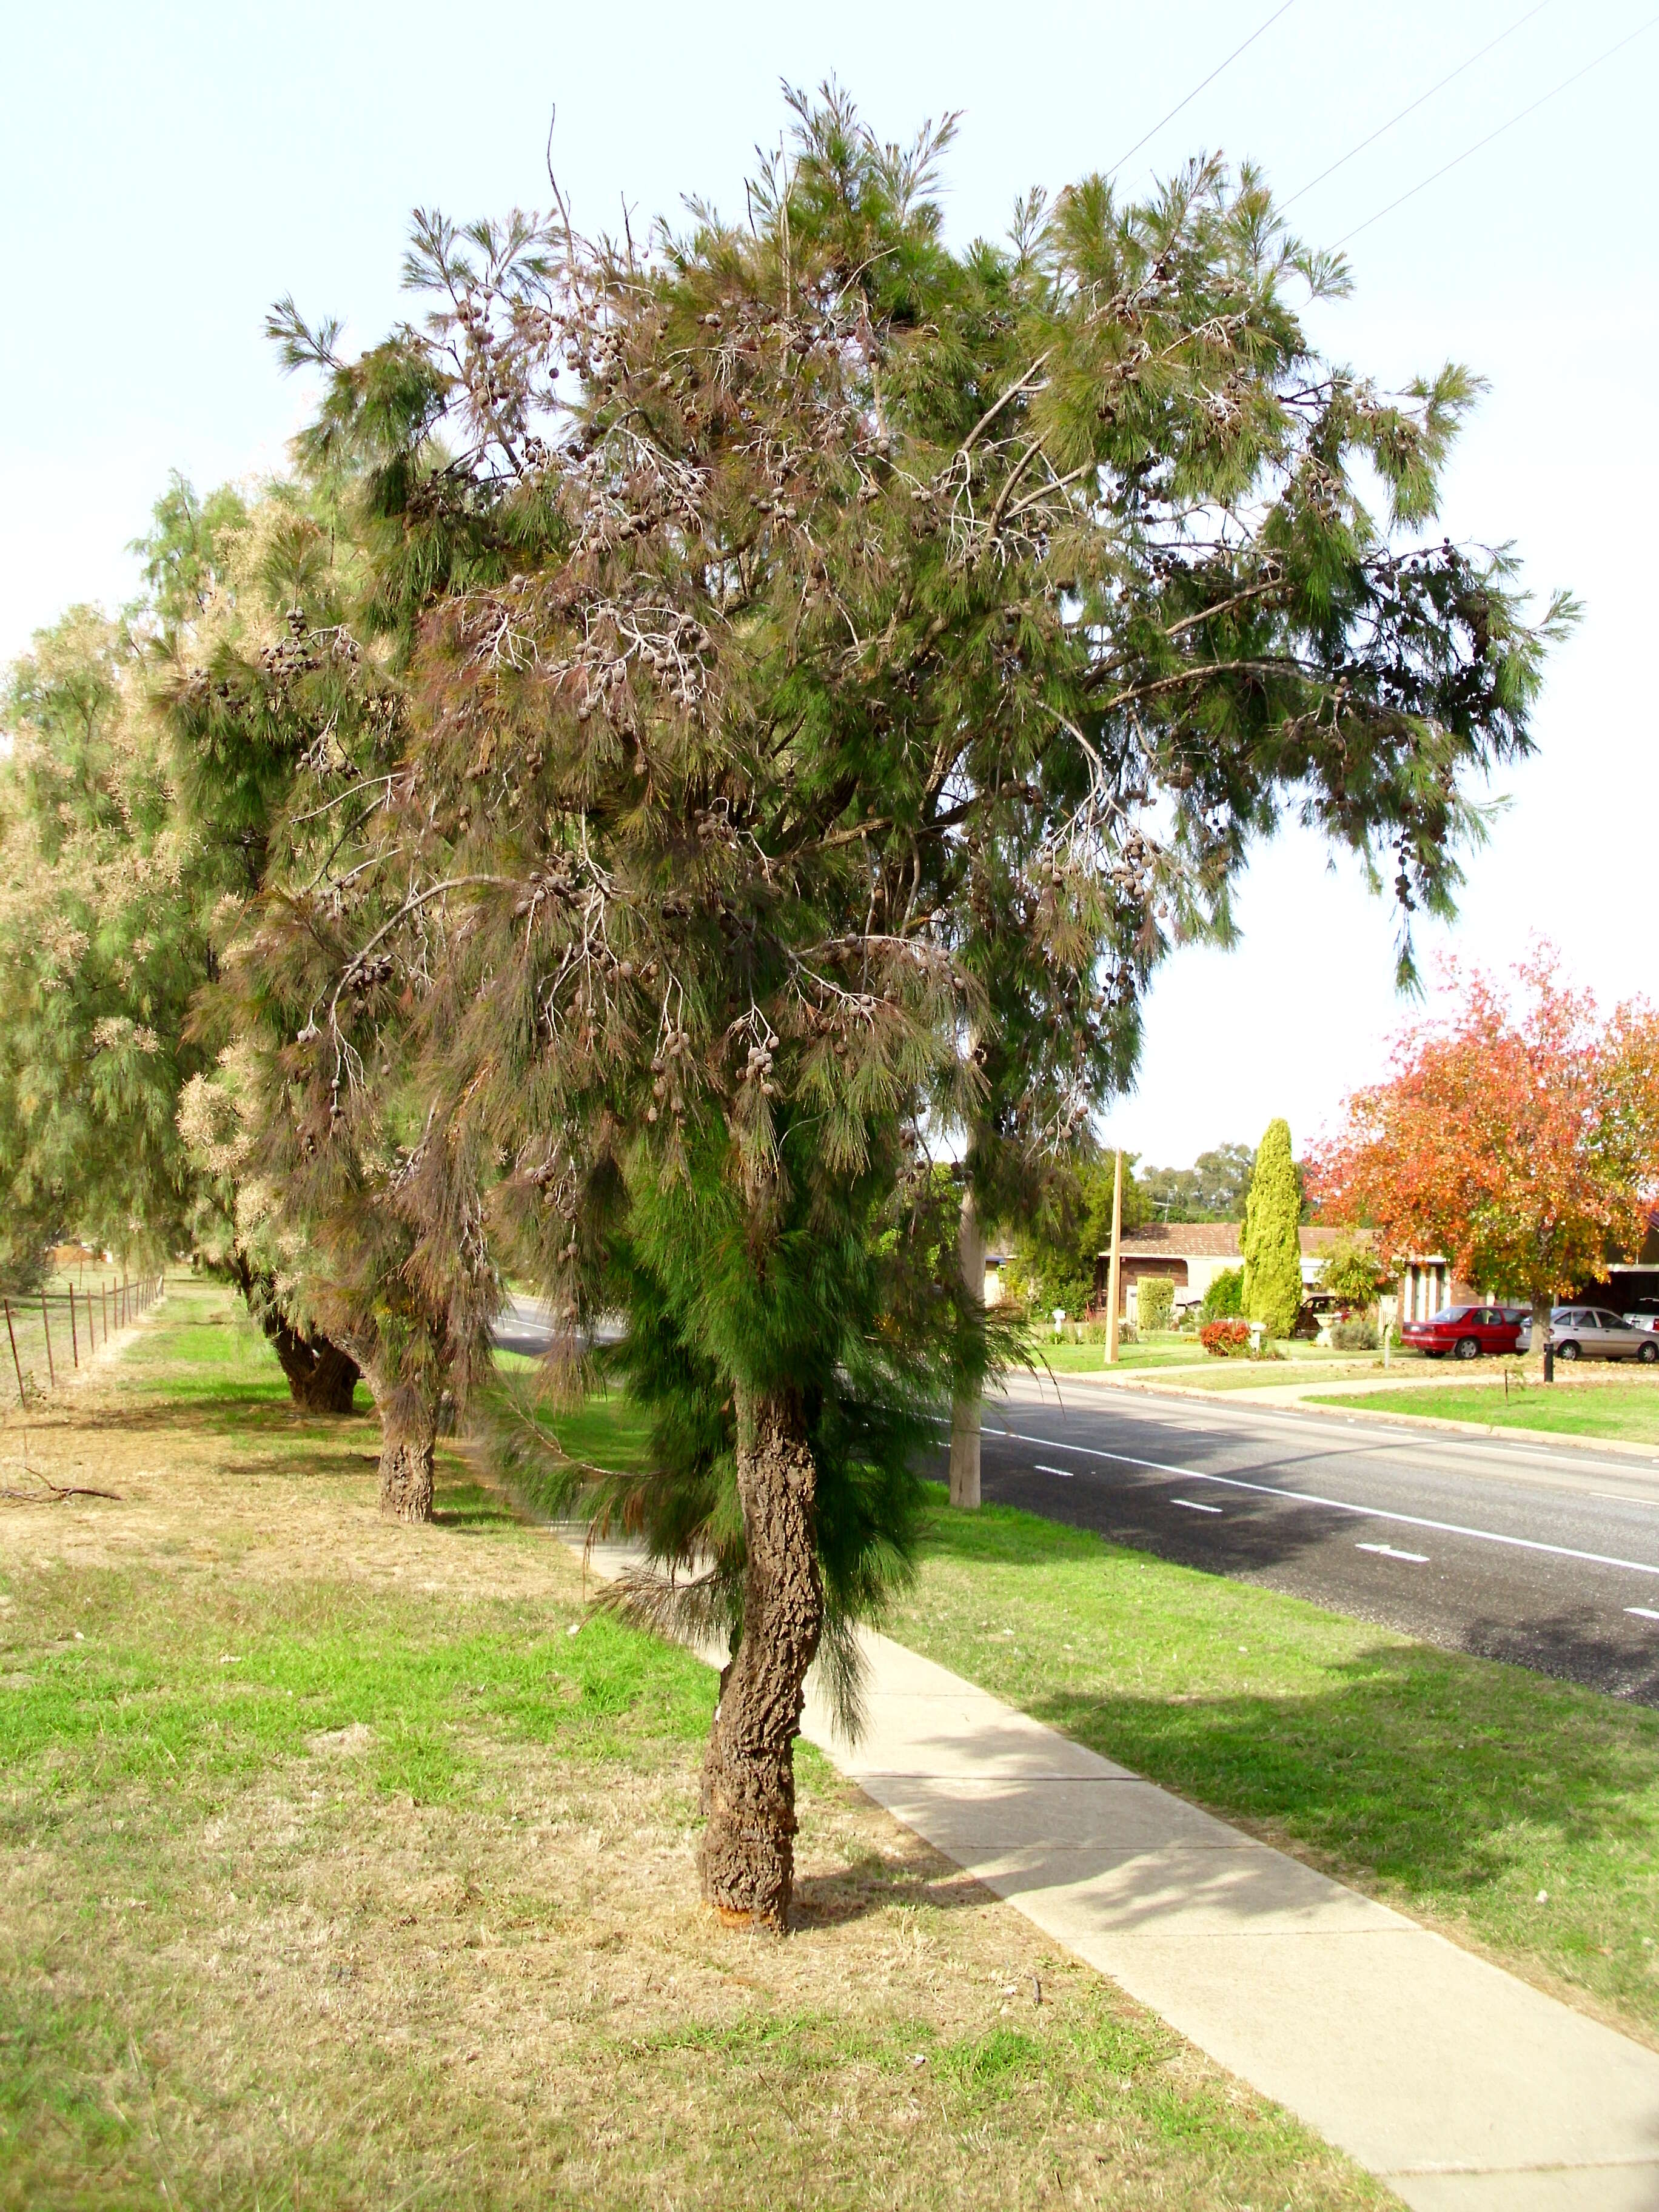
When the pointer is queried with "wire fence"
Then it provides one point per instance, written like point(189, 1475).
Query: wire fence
point(50, 1335)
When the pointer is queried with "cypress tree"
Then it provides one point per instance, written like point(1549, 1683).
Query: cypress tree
point(1272, 1250)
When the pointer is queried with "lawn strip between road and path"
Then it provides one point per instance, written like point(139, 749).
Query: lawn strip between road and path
point(1181, 1350)
point(350, 1862)
point(1611, 1409)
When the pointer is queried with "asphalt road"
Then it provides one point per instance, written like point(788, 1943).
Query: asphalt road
point(1548, 1557)
point(522, 1326)
point(1545, 1555)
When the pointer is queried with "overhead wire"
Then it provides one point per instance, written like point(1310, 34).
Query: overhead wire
point(1197, 89)
point(1384, 129)
point(1457, 160)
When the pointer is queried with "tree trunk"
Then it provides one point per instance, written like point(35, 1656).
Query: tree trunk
point(1542, 1314)
point(320, 1377)
point(406, 1463)
point(965, 1411)
point(747, 1858)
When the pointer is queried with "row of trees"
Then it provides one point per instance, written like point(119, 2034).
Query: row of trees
point(703, 733)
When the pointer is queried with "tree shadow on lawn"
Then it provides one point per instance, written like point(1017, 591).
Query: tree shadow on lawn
point(1368, 1772)
point(468, 1508)
point(225, 1409)
point(869, 1884)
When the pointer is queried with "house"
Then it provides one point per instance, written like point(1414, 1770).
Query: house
point(1191, 1254)
point(1629, 1283)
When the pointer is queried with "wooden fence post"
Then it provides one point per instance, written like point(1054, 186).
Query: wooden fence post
point(103, 1307)
point(74, 1334)
point(16, 1363)
point(46, 1323)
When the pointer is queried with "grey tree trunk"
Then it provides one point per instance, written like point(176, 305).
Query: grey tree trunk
point(1541, 1313)
point(965, 1411)
point(747, 1858)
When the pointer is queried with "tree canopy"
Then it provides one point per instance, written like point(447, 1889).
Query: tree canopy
point(100, 949)
point(1212, 1190)
point(836, 667)
point(1517, 1133)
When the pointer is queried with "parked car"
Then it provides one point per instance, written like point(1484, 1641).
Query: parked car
point(1593, 1333)
point(1466, 1332)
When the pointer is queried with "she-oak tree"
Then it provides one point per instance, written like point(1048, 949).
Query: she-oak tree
point(836, 666)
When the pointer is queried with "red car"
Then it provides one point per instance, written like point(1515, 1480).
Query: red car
point(1466, 1331)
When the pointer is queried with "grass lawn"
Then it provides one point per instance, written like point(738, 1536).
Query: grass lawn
point(1622, 1407)
point(1183, 1349)
point(348, 1864)
point(1271, 1374)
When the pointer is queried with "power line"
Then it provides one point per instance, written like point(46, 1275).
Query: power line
point(1555, 93)
point(1197, 89)
point(1384, 129)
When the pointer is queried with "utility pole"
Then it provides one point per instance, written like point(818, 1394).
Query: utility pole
point(1114, 1273)
point(965, 1411)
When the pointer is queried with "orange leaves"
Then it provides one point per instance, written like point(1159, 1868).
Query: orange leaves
point(1517, 1135)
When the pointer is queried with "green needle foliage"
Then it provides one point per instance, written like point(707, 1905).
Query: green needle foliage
point(284, 727)
point(838, 668)
point(100, 949)
point(1272, 1241)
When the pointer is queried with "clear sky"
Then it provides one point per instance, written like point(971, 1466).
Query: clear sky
point(170, 170)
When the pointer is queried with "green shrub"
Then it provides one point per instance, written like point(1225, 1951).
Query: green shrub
point(1154, 1301)
point(1224, 1299)
point(1355, 1334)
point(1351, 1274)
point(1272, 1241)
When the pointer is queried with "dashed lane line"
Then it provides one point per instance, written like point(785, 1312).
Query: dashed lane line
point(1342, 1505)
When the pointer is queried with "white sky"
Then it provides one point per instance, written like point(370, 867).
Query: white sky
point(172, 169)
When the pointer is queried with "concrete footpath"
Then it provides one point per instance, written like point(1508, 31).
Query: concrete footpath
point(1463, 2088)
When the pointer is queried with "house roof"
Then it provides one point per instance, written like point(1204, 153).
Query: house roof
point(1206, 1240)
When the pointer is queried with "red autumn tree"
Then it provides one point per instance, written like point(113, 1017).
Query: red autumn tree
point(1517, 1133)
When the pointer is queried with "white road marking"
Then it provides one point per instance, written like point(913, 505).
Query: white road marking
point(1192, 1507)
point(1387, 1552)
point(1064, 1473)
point(1643, 1612)
point(1340, 1504)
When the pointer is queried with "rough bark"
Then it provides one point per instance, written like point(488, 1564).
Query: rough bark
point(321, 1374)
point(321, 1377)
point(406, 1464)
point(747, 1858)
point(965, 1411)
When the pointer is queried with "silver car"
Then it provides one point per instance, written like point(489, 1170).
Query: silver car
point(1593, 1333)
